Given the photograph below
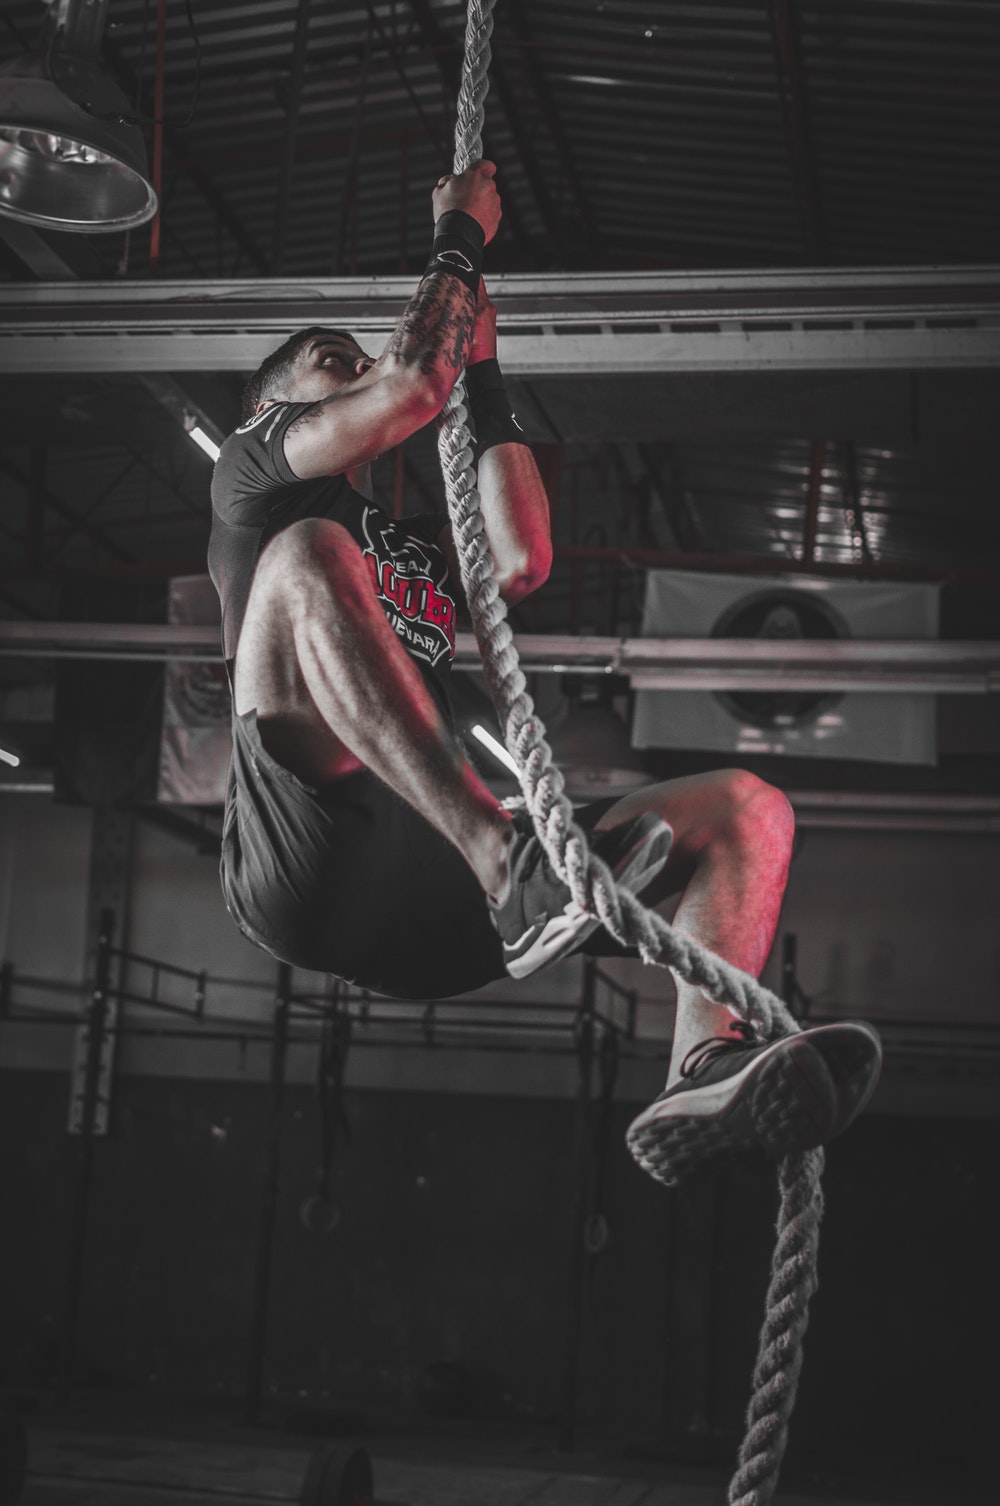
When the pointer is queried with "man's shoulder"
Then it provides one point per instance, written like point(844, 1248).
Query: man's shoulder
point(252, 462)
point(264, 431)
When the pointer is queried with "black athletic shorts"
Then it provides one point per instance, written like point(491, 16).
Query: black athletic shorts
point(350, 880)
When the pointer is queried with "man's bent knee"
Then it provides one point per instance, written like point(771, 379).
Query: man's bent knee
point(754, 812)
point(309, 570)
point(307, 547)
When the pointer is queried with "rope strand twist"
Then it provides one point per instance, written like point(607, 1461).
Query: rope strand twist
point(794, 1263)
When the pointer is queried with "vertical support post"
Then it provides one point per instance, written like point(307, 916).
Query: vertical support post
point(36, 510)
point(158, 108)
point(817, 452)
point(349, 191)
point(293, 105)
point(269, 1201)
point(112, 833)
point(94, 1046)
point(792, 85)
point(97, 1019)
point(578, 1217)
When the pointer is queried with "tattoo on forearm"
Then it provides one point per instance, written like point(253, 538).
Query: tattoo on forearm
point(435, 330)
point(437, 324)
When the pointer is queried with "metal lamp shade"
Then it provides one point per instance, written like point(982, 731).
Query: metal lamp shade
point(63, 167)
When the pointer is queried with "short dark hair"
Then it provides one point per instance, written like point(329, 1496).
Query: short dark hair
point(279, 365)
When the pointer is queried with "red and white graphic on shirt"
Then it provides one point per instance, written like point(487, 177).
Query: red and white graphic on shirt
point(419, 608)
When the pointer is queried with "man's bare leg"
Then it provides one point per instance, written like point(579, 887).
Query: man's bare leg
point(335, 691)
point(732, 847)
point(733, 838)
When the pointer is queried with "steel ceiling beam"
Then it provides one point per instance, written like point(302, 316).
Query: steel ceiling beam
point(445, 49)
point(543, 97)
point(80, 522)
point(671, 493)
point(529, 162)
point(446, 52)
point(441, 144)
point(792, 85)
point(187, 161)
point(779, 564)
point(43, 260)
point(37, 563)
point(554, 323)
point(296, 79)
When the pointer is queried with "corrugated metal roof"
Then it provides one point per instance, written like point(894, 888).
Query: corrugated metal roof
point(627, 135)
point(649, 134)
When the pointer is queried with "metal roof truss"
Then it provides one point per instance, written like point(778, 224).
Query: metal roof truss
point(898, 318)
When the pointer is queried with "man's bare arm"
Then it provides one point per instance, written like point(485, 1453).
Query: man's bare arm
point(410, 382)
point(514, 502)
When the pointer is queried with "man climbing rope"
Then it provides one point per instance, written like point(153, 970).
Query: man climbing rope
point(358, 839)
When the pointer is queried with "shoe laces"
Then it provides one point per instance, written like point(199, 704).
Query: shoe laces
point(710, 1050)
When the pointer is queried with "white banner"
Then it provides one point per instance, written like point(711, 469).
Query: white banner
point(897, 728)
point(196, 742)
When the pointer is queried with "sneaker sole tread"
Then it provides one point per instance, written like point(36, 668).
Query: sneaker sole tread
point(777, 1110)
point(786, 1102)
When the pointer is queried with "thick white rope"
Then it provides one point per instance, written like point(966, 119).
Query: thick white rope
point(793, 1270)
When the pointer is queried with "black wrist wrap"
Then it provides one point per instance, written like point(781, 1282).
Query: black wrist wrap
point(490, 407)
point(458, 248)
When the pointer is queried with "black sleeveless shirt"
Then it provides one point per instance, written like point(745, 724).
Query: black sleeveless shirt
point(255, 495)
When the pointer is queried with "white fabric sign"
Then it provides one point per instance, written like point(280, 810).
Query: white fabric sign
point(196, 742)
point(895, 728)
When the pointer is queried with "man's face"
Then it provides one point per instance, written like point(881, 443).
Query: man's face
point(328, 363)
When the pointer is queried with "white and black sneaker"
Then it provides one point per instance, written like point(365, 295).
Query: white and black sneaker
point(740, 1093)
point(539, 922)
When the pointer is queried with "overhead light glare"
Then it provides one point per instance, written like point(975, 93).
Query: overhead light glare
point(595, 78)
point(496, 748)
point(204, 442)
point(55, 148)
point(10, 758)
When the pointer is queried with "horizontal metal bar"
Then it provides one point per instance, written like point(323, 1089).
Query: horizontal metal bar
point(761, 664)
point(109, 640)
point(766, 292)
point(925, 803)
point(881, 810)
point(889, 318)
point(908, 821)
point(165, 968)
point(870, 680)
point(639, 558)
point(942, 1046)
point(604, 352)
point(931, 665)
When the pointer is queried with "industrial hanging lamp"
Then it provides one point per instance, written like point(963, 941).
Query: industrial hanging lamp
point(71, 156)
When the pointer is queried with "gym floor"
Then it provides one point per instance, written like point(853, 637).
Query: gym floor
point(105, 1455)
